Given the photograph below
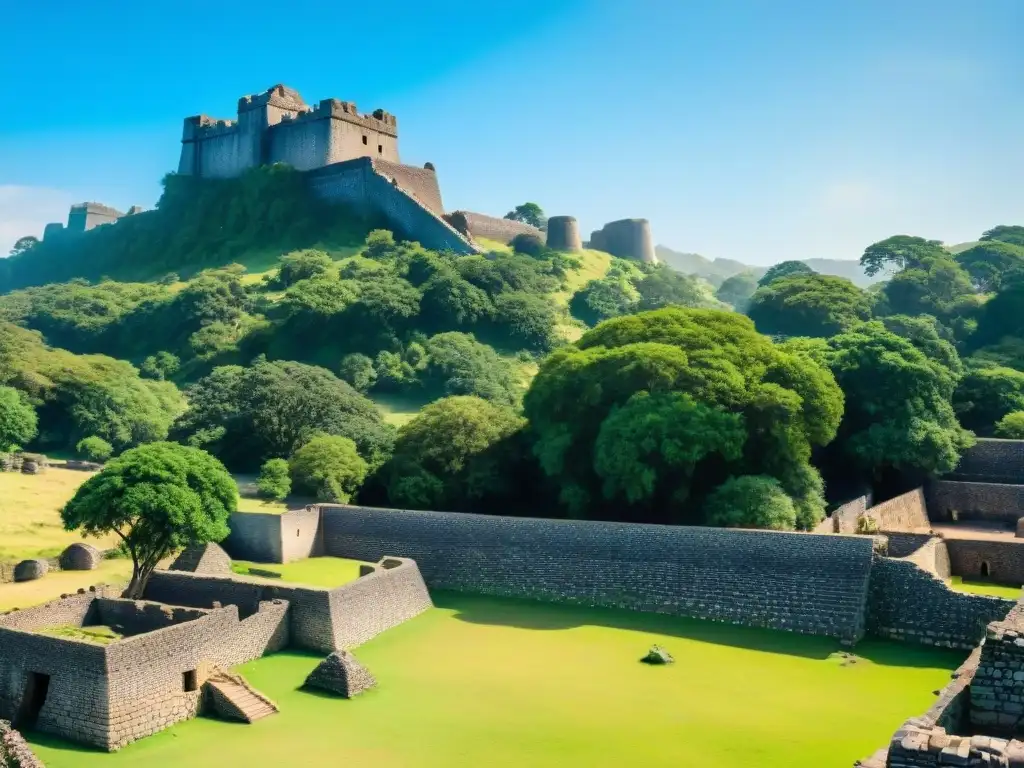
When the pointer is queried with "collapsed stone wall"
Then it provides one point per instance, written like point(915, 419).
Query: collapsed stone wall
point(993, 502)
point(992, 460)
point(799, 582)
point(421, 182)
point(908, 603)
point(135, 617)
point(1001, 561)
point(844, 518)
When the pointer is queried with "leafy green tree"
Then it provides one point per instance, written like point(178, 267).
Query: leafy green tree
point(275, 481)
point(528, 244)
point(452, 455)
point(527, 320)
point(450, 302)
point(393, 373)
point(986, 394)
point(617, 453)
point(929, 336)
point(989, 261)
point(457, 364)
point(528, 213)
point(665, 286)
point(94, 449)
point(272, 408)
point(156, 498)
point(302, 265)
point(160, 366)
point(18, 420)
point(329, 468)
point(358, 371)
point(808, 305)
point(900, 252)
point(939, 287)
point(1002, 316)
point(737, 290)
point(1011, 426)
point(604, 298)
point(750, 501)
point(24, 245)
point(1006, 234)
point(784, 269)
point(899, 414)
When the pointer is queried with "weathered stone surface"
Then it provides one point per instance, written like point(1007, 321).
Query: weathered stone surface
point(203, 558)
point(30, 570)
point(14, 750)
point(342, 674)
point(80, 557)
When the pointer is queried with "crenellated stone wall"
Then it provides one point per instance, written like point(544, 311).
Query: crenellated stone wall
point(798, 582)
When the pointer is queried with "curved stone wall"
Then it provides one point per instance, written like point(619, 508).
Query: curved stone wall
point(564, 234)
point(627, 239)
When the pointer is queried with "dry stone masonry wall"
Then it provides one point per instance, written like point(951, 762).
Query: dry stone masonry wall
point(797, 582)
point(902, 513)
point(999, 560)
point(992, 460)
point(996, 502)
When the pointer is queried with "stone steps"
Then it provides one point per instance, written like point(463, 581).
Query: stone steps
point(236, 701)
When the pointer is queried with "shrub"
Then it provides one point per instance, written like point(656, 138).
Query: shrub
point(531, 245)
point(274, 481)
point(94, 449)
point(358, 371)
point(302, 265)
point(751, 501)
point(18, 420)
point(866, 524)
point(1011, 426)
point(328, 468)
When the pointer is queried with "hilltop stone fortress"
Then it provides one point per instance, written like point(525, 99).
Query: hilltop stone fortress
point(353, 159)
point(199, 618)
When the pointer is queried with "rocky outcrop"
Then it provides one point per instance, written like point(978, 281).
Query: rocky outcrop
point(342, 674)
point(80, 557)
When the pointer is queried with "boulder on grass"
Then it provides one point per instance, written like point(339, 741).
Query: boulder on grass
point(342, 674)
point(30, 570)
point(80, 557)
point(657, 655)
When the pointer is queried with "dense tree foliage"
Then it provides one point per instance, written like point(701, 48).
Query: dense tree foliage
point(719, 400)
point(275, 480)
point(990, 261)
point(1011, 426)
point(248, 415)
point(808, 305)
point(1006, 234)
point(900, 252)
point(94, 449)
point(751, 501)
point(784, 269)
point(17, 420)
point(528, 213)
point(737, 290)
point(329, 468)
point(157, 498)
point(986, 394)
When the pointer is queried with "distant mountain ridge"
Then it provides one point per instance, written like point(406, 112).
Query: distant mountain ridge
point(717, 270)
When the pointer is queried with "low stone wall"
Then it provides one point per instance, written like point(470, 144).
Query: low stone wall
point(997, 692)
point(998, 502)
point(1001, 561)
point(793, 581)
point(906, 512)
point(391, 594)
point(844, 518)
point(907, 603)
point(992, 460)
point(135, 617)
point(300, 535)
point(14, 750)
point(493, 228)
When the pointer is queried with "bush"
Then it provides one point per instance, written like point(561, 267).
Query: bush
point(358, 371)
point(18, 421)
point(751, 501)
point(1011, 426)
point(302, 265)
point(160, 366)
point(328, 468)
point(531, 245)
point(274, 481)
point(94, 449)
point(866, 524)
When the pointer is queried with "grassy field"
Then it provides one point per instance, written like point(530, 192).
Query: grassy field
point(985, 588)
point(313, 572)
point(30, 505)
point(480, 681)
point(53, 585)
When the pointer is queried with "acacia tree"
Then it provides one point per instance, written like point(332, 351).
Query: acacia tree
point(156, 498)
point(528, 213)
point(900, 252)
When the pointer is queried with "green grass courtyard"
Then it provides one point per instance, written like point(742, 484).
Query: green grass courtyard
point(483, 681)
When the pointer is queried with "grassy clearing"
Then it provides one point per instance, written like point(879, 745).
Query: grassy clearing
point(985, 588)
point(30, 524)
point(397, 409)
point(96, 634)
point(480, 681)
point(313, 572)
point(56, 583)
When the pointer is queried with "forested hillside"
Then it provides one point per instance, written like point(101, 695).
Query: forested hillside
point(293, 338)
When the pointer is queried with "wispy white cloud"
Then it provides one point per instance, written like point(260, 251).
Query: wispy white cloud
point(26, 210)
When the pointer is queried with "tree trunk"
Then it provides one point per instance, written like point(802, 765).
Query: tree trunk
point(137, 586)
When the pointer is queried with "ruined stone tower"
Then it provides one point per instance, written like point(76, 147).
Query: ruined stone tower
point(564, 234)
point(627, 239)
point(277, 126)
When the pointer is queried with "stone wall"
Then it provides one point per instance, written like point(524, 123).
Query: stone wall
point(907, 603)
point(844, 518)
point(627, 239)
point(254, 536)
point(902, 513)
point(357, 184)
point(993, 461)
point(393, 593)
point(799, 582)
point(494, 228)
point(300, 535)
point(1001, 561)
point(85, 216)
point(420, 182)
point(997, 502)
point(564, 234)
point(135, 617)
point(997, 692)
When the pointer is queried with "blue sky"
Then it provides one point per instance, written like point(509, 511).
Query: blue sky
point(751, 130)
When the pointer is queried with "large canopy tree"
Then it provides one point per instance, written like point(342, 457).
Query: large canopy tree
point(808, 305)
point(989, 261)
point(900, 252)
point(784, 269)
point(157, 498)
point(648, 413)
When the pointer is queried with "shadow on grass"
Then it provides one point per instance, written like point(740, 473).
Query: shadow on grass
point(528, 614)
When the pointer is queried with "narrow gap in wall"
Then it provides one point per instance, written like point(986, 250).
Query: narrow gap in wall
point(380, 149)
point(33, 697)
point(364, 140)
point(984, 569)
point(189, 681)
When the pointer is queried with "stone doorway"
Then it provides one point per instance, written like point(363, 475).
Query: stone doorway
point(37, 685)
